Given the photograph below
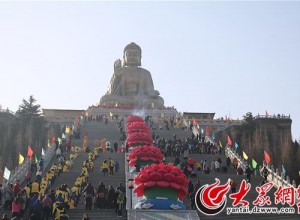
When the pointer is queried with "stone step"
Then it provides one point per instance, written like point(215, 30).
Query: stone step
point(76, 214)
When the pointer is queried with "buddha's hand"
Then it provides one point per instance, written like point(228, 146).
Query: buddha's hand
point(155, 93)
point(118, 67)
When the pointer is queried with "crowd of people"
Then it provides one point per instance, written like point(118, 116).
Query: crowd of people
point(40, 199)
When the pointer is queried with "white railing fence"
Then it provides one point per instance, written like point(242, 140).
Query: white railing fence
point(19, 172)
point(275, 177)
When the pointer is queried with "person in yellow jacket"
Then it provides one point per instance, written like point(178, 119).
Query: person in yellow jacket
point(42, 192)
point(50, 177)
point(66, 167)
point(76, 189)
point(105, 167)
point(45, 182)
point(91, 165)
point(58, 210)
point(96, 152)
point(84, 170)
point(27, 190)
point(35, 188)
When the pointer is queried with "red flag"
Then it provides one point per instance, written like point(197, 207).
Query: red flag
point(194, 121)
point(267, 114)
point(229, 142)
point(267, 157)
point(207, 131)
point(53, 139)
point(29, 152)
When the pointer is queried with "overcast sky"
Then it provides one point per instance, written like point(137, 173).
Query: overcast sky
point(224, 57)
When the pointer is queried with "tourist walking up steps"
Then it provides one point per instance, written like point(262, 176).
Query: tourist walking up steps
point(89, 195)
point(120, 201)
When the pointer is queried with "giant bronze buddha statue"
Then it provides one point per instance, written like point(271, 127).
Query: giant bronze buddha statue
point(130, 84)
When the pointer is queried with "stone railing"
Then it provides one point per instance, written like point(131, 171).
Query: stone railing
point(275, 177)
point(231, 154)
point(20, 172)
point(278, 116)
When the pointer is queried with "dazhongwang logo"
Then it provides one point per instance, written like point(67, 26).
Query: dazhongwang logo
point(211, 199)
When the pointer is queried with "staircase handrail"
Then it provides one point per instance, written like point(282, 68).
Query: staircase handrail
point(277, 178)
point(232, 154)
point(274, 176)
point(19, 173)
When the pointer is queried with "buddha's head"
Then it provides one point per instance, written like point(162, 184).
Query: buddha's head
point(132, 55)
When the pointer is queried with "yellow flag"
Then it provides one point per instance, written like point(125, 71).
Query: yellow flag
point(220, 144)
point(245, 156)
point(48, 143)
point(67, 130)
point(21, 159)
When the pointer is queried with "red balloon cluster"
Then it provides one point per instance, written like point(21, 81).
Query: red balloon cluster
point(139, 138)
point(133, 118)
point(137, 126)
point(165, 176)
point(145, 153)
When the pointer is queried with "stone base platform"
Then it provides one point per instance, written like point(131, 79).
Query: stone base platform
point(156, 114)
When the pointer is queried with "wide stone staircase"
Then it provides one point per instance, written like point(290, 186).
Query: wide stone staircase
point(99, 130)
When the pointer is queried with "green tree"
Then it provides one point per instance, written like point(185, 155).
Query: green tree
point(248, 117)
point(29, 109)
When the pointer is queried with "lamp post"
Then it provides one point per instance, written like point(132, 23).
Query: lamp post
point(130, 186)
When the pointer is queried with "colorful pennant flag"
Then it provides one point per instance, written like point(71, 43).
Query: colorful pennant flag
point(36, 159)
point(229, 142)
point(6, 173)
point(194, 121)
point(53, 139)
point(63, 136)
point(43, 152)
point(213, 136)
point(152, 105)
point(267, 157)
point(254, 164)
point(49, 144)
point(29, 152)
point(67, 130)
point(236, 145)
point(202, 131)
point(220, 144)
point(59, 140)
point(21, 158)
point(207, 131)
point(245, 156)
point(267, 114)
point(111, 114)
point(283, 170)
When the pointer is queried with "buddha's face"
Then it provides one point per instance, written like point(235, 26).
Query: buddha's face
point(132, 57)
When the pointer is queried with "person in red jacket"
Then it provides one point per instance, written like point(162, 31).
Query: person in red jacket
point(16, 188)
